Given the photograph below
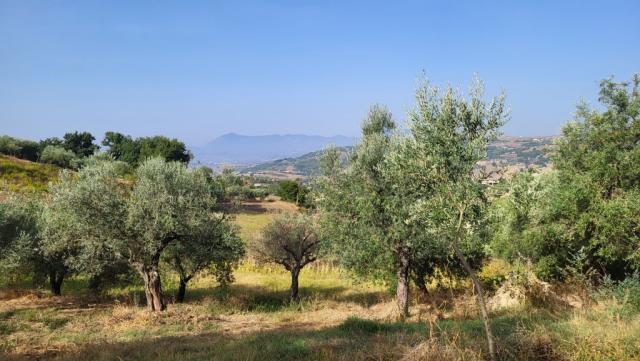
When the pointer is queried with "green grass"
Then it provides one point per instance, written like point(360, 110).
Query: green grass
point(18, 175)
point(252, 224)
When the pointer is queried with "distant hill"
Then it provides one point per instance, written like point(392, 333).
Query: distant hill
point(304, 166)
point(243, 149)
point(508, 151)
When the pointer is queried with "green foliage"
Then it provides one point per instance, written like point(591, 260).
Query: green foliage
point(55, 141)
point(217, 247)
point(18, 219)
point(626, 291)
point(231, 187)
point(97, 218)
point(400, 193)
point(590, 204)
point(135, 151)
point(51, 150)
point(364, 229)
point(59, 156)
point(23, 249)
point(80, 143)
point(290, 239)
point(19, 148)
point(292, 191)
point(169, 149)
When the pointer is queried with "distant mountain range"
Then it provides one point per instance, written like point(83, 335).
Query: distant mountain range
point(236, 149)
point(511, 152)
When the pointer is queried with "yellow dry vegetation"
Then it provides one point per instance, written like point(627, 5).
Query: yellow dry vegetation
point(337, 319)
point(18, 175)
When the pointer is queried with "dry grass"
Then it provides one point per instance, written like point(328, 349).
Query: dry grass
point(337, 319)
point(254, 215)
point(254, 308)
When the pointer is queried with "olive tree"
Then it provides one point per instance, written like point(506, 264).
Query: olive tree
point(363, 211)
point(217, 248)
point(448, 134)
point(24, 249)
point(110, 218)
point(291, 240)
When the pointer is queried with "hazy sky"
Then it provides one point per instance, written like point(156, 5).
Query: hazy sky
point(198, 69)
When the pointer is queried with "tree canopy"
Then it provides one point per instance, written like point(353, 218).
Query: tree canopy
point(111, 219)
point(291, 240)
point(588, 207)
point(135, 151)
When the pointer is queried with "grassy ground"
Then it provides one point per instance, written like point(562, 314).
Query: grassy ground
point(337, 319)
point(17, 175)
point(253, 216)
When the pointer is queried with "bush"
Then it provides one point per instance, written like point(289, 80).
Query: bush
point(626, 291)
point(19, 148)
point(292, 191)
point(495, 272)
point(59, 156)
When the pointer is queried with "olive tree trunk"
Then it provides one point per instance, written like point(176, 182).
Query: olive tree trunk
point(294, 297)
point(55, 281)
point(182, 288)
point(402, 289)
point(476, 284)
point(152, 287)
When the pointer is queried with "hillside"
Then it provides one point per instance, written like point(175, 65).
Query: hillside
point(515, 152)
point(303, 166)
point(18, 175)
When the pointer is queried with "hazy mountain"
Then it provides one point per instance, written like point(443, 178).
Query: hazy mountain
point(508, 151)
point(244, 149)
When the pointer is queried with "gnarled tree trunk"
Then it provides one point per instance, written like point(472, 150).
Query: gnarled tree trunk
point(402, 289)
point(55, 281)
point(152, 287)
point(295, 272)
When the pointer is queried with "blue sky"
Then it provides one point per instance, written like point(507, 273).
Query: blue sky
point(198, 69)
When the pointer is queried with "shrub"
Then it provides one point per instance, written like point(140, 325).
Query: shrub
point(292, 191)
point(626, 291)
point(59, 156)
point(19, 148)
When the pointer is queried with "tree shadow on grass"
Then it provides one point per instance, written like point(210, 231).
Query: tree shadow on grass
point(251, 208)
point(235, 298)
point(354, 339)
point(261, 298)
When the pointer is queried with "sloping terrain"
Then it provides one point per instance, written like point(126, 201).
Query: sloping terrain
point(18, 175)
point(515, 152)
